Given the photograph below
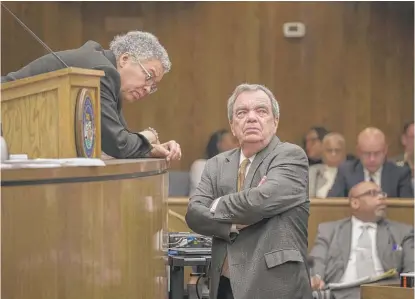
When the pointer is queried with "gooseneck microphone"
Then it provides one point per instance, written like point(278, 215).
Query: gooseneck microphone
point(310, 262)
point(33, 34)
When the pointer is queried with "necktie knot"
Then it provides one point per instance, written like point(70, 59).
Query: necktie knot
point(244, 165)
point(366, 226)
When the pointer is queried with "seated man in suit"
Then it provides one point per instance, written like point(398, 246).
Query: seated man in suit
point(322, 176)
point(133, 66)
point(372, 166)
point(367, 244)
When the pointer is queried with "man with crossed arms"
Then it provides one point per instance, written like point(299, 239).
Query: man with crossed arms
point(254, 202)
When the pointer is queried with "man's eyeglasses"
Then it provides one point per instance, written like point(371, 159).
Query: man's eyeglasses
point(373, 193)
point(149, 79)
point(370, 154)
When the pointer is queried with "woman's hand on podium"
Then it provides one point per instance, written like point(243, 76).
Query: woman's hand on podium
point(169, 150)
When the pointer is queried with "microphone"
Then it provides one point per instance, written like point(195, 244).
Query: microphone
point(33, 35)
point(317, 294)
point(310, 262)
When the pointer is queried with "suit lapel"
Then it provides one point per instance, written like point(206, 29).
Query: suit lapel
point(346, 238)
point(384, 246)
point(360, 175)
point(229, 176)
point(259, 158)
point(384, 180)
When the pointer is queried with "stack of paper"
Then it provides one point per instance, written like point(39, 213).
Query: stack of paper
point(51, 163)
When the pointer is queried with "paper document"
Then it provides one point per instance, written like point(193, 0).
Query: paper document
point(364, 280)
point(47, 163)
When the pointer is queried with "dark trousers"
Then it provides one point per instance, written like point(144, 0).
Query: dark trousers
point(224, 290)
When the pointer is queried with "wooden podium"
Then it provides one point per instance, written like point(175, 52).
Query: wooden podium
point(53, 115)
point(85, 232)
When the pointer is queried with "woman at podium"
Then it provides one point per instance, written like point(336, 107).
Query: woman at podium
point(134, 65)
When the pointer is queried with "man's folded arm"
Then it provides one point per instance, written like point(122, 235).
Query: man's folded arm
point(285, 188)
point(199, 217)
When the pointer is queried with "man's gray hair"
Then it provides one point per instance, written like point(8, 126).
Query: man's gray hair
point(141, 46)
point(252, 87)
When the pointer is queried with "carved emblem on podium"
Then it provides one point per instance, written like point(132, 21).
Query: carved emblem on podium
point(85, 130)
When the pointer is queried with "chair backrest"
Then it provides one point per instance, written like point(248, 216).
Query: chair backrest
point(179, 183)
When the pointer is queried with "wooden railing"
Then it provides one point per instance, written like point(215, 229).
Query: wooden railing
point(321, 210)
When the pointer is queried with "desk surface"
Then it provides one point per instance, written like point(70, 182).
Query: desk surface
point(114, 169)
point(385, 292)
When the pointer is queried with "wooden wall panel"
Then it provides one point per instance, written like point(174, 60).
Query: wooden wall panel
point(58, 24)
point(354, 67)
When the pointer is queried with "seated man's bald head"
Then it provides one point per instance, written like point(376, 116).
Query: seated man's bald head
point(361, 188)
point(372, 148)
point(367, 202)
point(371, 133)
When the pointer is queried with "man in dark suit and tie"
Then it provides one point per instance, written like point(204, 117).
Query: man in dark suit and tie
point(372, 166)
point(133, 66)
point(254, 202)
point(366, 244)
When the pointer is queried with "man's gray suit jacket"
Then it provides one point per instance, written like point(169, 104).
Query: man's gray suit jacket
point(117, 140)
point(331, 250)
point(268, 258)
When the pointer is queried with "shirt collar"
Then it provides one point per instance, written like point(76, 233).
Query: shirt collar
point(376, 175)
point(359, 223)
point(330, 168)
point(242, 158)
